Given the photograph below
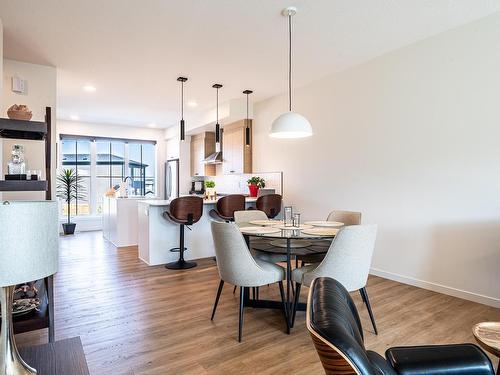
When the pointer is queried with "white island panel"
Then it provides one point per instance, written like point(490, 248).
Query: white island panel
point(157, 235)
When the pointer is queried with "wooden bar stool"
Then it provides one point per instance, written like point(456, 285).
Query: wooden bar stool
point(270, 204)
point(226, 206)
point(183, 211)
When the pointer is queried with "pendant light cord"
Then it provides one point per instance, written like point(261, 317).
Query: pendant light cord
point(290, 62)
point(247, 111)
point(217, 106)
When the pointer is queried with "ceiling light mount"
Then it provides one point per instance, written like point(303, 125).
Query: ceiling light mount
point(289, 12)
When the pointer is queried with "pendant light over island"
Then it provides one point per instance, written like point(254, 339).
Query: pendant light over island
point(290, 124)
point(217, 86)
point(182, 125)
point(247, 121)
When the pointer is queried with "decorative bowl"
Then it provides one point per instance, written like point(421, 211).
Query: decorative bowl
point(19, 112)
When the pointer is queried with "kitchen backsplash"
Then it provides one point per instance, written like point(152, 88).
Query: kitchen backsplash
point(237, 183)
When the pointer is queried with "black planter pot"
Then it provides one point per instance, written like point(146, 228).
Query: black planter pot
point(69, 228)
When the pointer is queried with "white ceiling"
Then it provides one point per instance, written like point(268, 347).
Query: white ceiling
point(132, 51)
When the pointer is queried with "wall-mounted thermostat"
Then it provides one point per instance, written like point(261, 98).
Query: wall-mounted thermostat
point(19, 85)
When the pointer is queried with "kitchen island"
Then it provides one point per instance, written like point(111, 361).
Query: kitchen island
point(119, 220)
point(157, 235)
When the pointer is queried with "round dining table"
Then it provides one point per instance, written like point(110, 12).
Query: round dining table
point(292, 242)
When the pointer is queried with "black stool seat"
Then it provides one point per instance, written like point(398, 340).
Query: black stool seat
point(183, 211)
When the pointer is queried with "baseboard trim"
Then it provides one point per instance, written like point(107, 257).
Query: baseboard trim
point(485, 300)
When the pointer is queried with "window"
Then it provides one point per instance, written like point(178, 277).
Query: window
point(106, 163)
point(76, 155)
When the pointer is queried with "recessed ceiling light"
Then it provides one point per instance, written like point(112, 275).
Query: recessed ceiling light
point(192, 103)
point(74, 117)
point(89, 88)
point(152, 125)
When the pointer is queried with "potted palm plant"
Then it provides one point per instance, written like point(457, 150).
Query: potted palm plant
point(254, 184)
point(69, 188)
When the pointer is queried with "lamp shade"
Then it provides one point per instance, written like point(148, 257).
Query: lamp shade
point(291, 125)
point(28, 241)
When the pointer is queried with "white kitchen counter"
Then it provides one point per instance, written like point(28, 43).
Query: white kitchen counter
point(119, 220)
point(156, 235)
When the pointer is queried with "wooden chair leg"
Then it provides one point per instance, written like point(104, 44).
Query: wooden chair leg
point(242, 302)
point(219, 291)
point(366, 300)
point(295, 302)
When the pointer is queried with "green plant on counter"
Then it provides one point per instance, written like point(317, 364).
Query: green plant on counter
point(209, 184)
point(257, 181)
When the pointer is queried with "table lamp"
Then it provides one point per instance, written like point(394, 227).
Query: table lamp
point(28, 251)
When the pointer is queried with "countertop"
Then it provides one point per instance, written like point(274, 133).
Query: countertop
point(159, 202)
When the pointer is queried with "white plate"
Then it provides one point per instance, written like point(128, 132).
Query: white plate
point(302, 226)
point(259, 230)
point(325, 223)
point(321, 231)
point(266, 222)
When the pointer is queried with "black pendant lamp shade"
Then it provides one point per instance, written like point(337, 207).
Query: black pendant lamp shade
point(217, 86)
point(183, 124)
point(247, 121)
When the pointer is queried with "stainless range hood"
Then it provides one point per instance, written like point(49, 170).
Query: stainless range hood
point(215, 158)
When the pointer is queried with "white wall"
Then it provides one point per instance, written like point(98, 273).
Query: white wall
point(411, 139)
point(117, 131)
point(41, 93)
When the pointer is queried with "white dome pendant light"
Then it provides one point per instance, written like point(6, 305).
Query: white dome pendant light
point(290, 124)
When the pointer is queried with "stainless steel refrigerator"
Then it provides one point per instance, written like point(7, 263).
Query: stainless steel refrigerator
point(172, 179)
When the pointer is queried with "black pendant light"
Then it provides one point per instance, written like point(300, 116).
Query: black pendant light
point(217, 86)
point(183, 124)
point(247, 121)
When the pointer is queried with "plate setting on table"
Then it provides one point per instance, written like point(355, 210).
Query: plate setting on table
point(325, 223)
point(320, 231)
point(266, 222)
point(259, 230)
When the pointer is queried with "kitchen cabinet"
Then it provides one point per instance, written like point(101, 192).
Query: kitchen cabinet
point(173, 148)
point(237, 157)
point(202, 145)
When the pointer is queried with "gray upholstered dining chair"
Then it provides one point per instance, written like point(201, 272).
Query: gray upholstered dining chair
point(348, 260)
point(237, 266)
point(346, 217)
point(250, 215)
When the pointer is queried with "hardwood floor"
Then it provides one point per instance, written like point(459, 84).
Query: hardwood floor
point(135, 319)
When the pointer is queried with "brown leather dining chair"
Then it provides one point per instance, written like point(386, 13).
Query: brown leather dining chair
point(270, 204)
point(183, 211)
point(226, 206)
